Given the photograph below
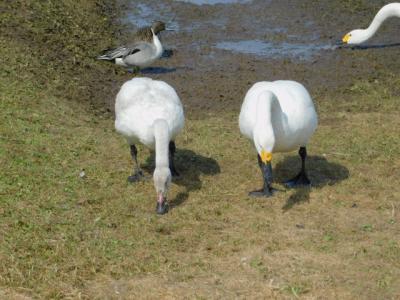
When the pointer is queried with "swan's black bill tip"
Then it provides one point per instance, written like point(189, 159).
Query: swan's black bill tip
point(162, 208)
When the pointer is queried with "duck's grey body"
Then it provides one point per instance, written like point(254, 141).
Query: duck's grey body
point(142, 52)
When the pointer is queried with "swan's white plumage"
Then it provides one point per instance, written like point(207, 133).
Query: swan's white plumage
point(359, 36)
point(278, 116)
point(139, 103)
point(150, 112)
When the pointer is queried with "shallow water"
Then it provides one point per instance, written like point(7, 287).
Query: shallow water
point(272, 50)
point(221, 47)
point(144, 13)
point(215, 23)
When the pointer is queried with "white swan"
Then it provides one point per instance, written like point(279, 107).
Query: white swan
point(141, 52)
point(278, 116)
point(150, 112)
point(359, 36)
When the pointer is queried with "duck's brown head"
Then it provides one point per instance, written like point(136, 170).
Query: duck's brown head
point(158, 26)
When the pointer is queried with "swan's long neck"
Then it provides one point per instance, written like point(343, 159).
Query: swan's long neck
point(264, 134)
point(386, 12)
point(161, 136)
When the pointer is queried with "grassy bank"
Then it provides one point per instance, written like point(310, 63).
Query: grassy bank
point(53, 45)
point(97, 237)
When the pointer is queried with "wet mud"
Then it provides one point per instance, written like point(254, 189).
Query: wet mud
point(221, 48)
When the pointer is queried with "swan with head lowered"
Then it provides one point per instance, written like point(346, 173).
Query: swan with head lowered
point(359, 36)
point(150, 112)
point(278, 116)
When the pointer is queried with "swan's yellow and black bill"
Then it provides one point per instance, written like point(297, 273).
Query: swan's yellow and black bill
point(346, 38)
point(266, 156)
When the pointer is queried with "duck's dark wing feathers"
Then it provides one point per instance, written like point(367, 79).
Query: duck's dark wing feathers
point(119, 52)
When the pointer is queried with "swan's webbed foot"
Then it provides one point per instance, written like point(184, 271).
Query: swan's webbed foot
point(300, 180)
point(266, 193)
point(162, 208)
point(136, 177)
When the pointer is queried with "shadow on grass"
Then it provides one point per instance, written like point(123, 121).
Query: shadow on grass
point(157, 70)
point(320, 171)
point(162, 70)
point(190, 166)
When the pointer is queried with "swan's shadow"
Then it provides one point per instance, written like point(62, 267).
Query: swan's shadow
point(162, 70)
point(157, 70)
point(366, 47)
point(320, 171)
point(190, 166)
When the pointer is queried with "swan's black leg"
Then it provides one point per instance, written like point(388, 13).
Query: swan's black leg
point(266, 170)
point(137, 173)
point(300, 179)
point(172, 150)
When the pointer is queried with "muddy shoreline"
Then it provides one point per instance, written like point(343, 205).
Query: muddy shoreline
point(212, 71)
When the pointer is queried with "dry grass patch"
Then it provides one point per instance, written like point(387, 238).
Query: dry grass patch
point(64, 236)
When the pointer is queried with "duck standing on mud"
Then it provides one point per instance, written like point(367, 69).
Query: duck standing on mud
point(141, 52)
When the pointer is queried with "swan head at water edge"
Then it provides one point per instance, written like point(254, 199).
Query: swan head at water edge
point(162, 180)
point(355, 37)
point(359, 36)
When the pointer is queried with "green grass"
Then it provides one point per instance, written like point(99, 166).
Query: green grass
point(62, 236)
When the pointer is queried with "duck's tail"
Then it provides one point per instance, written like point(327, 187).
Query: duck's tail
point(104, 57)
point(112, 54)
